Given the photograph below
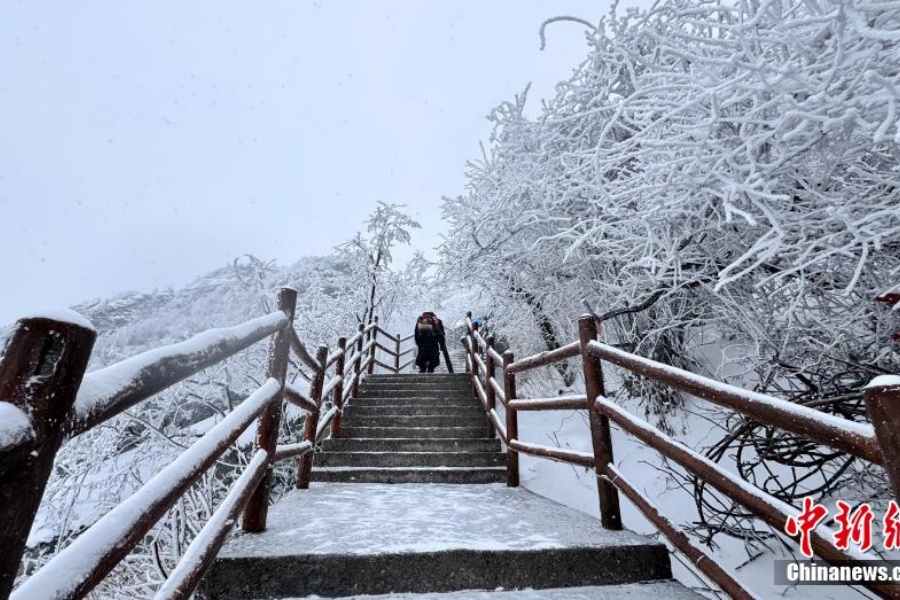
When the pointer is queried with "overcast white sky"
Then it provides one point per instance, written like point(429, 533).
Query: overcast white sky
point(145, 143)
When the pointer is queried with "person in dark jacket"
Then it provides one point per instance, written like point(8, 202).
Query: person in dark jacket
point(429, 335)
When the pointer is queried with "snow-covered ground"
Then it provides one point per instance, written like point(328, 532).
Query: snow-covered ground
point(576, 487)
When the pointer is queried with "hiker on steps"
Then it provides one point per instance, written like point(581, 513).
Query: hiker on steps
point(429, 336)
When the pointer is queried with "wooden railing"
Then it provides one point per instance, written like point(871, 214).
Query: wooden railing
point(878, 444)
point(46, 397)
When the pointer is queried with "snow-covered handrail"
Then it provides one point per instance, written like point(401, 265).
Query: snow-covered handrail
point(543, 359)
point(291, 450)
point(854, 438)
point(390, 335)
point(773, 511)
point(45, 394)
point(204, 547)
point(109, 391)
point(494, 354)
point(480, 362)
point(878, 443)
point(41, 368)
point(298, 398)
point(487, 391)
point(16, 428)
point(323, 424)
point(576, 402)
point(333, 357)
point(574, 457)
point(384, 348)
point(302, 353)
point(333, 383)
point(84, 563)
point(383, 365)
point(694, 552)
point(352, 341)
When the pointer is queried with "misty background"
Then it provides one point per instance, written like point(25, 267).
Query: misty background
point(146, 144)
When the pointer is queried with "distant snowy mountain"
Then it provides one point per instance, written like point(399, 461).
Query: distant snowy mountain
point(133, 322)
point(98, 469)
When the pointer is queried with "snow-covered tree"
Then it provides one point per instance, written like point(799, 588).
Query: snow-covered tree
point(370, 257)
point(713, 173)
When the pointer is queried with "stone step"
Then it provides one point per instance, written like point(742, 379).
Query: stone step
point(423, 381)
point(419, 378)
point(645, 590)
point(649, 590)
point(354, 431)
point(411, 445)
point(446, 475)
point(434, 410)
point(413, 393)
point(409, 459)
point(421, 400)
point(336, 540)
point(477, 420)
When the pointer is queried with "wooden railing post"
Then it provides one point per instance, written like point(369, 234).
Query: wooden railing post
point(339, 388)
point(475, 350)
point(40, 374)
point(489, 389)
point(257, 508)
point(357, 362)
point(883, 405)
point(304, 468)
point(468, 341)
point(397, 356)
point(512, 420)
point(601, 439)
point(374, 338)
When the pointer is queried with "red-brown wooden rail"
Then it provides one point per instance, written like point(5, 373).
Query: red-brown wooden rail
point(44, 388)
point(878, 443)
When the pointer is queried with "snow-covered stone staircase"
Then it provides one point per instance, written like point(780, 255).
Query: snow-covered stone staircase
point(347, 539)
point(413, 429)
point(441, 528)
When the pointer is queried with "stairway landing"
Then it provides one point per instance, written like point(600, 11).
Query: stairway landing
point(338, 539)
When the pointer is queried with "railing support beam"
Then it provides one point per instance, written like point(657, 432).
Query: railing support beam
point(601, 438)
point(354, 389)
point(339, 388)
point(373, 336)
point(512, 420)
point(311, 424)
point(474, 349)
point(883, 405)
point(490, 371)
point(41, 371)
point(397, 355)
point(257, 509)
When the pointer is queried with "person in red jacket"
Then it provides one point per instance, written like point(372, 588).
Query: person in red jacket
point(429, 335)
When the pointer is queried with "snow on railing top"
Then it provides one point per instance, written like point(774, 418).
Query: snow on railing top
point(15, 427)
point(69, 573)
point(858, 438)
point(745, 487)
point(891, 296)
point(108, 391)
point(63, 315)
point(884, 381)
